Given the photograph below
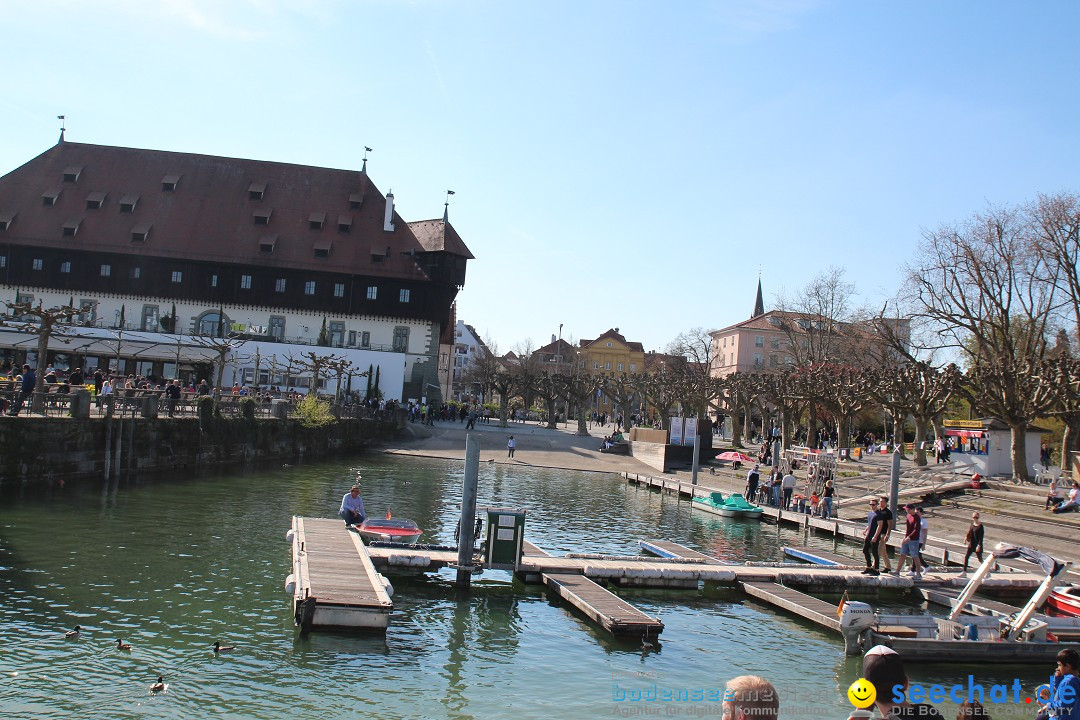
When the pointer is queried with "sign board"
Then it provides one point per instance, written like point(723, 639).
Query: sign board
point(970, 424)
point(675, 434)
point(689, 431)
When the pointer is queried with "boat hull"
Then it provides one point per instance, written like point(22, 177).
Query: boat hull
point(727, 512)
point(1064, 602)
point(991, 651)
point(378, 530)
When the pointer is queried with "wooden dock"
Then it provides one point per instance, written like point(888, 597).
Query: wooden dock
point(795, 602)
point(603, 607)
point(336, 586)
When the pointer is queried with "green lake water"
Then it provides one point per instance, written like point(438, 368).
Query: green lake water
point(172, 564)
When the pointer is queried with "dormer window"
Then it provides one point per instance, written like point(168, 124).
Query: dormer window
point(344, 223)
point(5, 220)
point(139, 233)
point(49, 199)
point(262, 217)
point(256, 191)
point(169, 183)
point(356, 200)
point(95, 200)
point(267, 243)
point(71, 227)
point(72, 173)
point(774, 321)
point(322, 248)
point(316, 220)
point(128, 203)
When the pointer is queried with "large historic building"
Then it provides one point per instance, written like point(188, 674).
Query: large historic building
point(173, 247)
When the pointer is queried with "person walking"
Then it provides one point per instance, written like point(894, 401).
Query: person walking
point(752, 480)
point(827, 498)
point(974, 540)
point(884, 529)
point(910, 547)
point(869, 547)
point(510, 445)
point(788, 485)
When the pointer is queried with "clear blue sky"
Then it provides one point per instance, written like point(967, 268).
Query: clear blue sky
point(624, 163)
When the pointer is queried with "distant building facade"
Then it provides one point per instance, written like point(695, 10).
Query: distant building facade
point(167, 248)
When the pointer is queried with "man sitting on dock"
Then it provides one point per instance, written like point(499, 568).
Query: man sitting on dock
point(352, 507)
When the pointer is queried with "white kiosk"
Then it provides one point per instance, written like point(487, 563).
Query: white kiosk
point(984, 446)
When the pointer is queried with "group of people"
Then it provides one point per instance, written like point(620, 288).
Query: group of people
point(779, 490)
point(880, 523)
point(1063, 503)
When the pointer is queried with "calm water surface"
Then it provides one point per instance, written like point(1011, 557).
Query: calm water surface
point(170, 565)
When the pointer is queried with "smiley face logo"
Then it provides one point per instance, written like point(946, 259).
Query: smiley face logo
point(862, 693)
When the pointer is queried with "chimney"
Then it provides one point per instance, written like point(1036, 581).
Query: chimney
point(388, 220)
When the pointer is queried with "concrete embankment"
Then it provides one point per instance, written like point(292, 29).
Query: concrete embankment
point(40, 451)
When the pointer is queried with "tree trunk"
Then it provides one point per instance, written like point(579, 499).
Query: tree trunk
point(1018, 451)
point(920, 438)
point(42, 355)
point(812, 426)
point(736, 429)
point(552, 413)
point(1070, 440)
point(504, 401)
point(582, 428)
point(898, 432)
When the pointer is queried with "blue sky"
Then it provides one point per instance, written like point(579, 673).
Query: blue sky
point(630, 164)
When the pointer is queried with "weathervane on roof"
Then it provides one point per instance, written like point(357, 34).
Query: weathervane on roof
point(366, 151)
point(63, 125)
point(446, 206)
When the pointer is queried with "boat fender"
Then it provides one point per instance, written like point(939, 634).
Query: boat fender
point(290, 584)
point(290, 536)
point(386, 585)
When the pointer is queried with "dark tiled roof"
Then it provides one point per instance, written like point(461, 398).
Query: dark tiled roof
point(437, 235)
point(210, 213)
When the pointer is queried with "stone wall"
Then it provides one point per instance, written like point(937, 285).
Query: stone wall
point(44, 450)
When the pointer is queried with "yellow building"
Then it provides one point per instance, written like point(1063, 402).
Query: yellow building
point(610, 355)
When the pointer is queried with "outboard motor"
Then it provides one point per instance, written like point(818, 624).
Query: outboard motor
point(856, 620)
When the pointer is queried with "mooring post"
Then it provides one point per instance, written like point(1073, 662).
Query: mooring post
point(894, 488)
point(468, 512)
point(695, 462)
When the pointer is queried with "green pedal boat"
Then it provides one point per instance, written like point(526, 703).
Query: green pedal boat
point(734, 505)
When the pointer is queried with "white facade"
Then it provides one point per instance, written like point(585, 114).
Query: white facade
point(392, 344)
point(467, 347)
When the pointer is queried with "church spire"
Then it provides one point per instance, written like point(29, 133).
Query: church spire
point(759, 304)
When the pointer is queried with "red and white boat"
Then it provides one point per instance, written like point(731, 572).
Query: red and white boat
point(1066, 600)
point(388, 529)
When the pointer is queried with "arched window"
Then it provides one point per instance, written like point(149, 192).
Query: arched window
point(209, 323)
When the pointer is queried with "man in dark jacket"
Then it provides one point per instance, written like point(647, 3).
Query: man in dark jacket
point(26, 390)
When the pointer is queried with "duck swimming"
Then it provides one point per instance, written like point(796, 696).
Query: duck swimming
point(120, 645)
point(72, 634)
point(159, 686)
point(219, 648)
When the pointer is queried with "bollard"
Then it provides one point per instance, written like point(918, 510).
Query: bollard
point(148, 406)
point(80, 404)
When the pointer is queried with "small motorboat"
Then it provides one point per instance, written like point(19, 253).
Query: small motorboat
point(1065, 599)
point(734, 505)
point(388, 529)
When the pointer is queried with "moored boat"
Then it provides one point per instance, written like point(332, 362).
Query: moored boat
point(388, 529)
point(1065, 599)
point(734, 505)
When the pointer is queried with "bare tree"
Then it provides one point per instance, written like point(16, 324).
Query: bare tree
point(315, 362)
point(43, 322)
point(985, 290)
point(1056, 241)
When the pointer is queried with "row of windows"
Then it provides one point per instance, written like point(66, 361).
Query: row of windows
point(607, 366)
point(245, 280)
